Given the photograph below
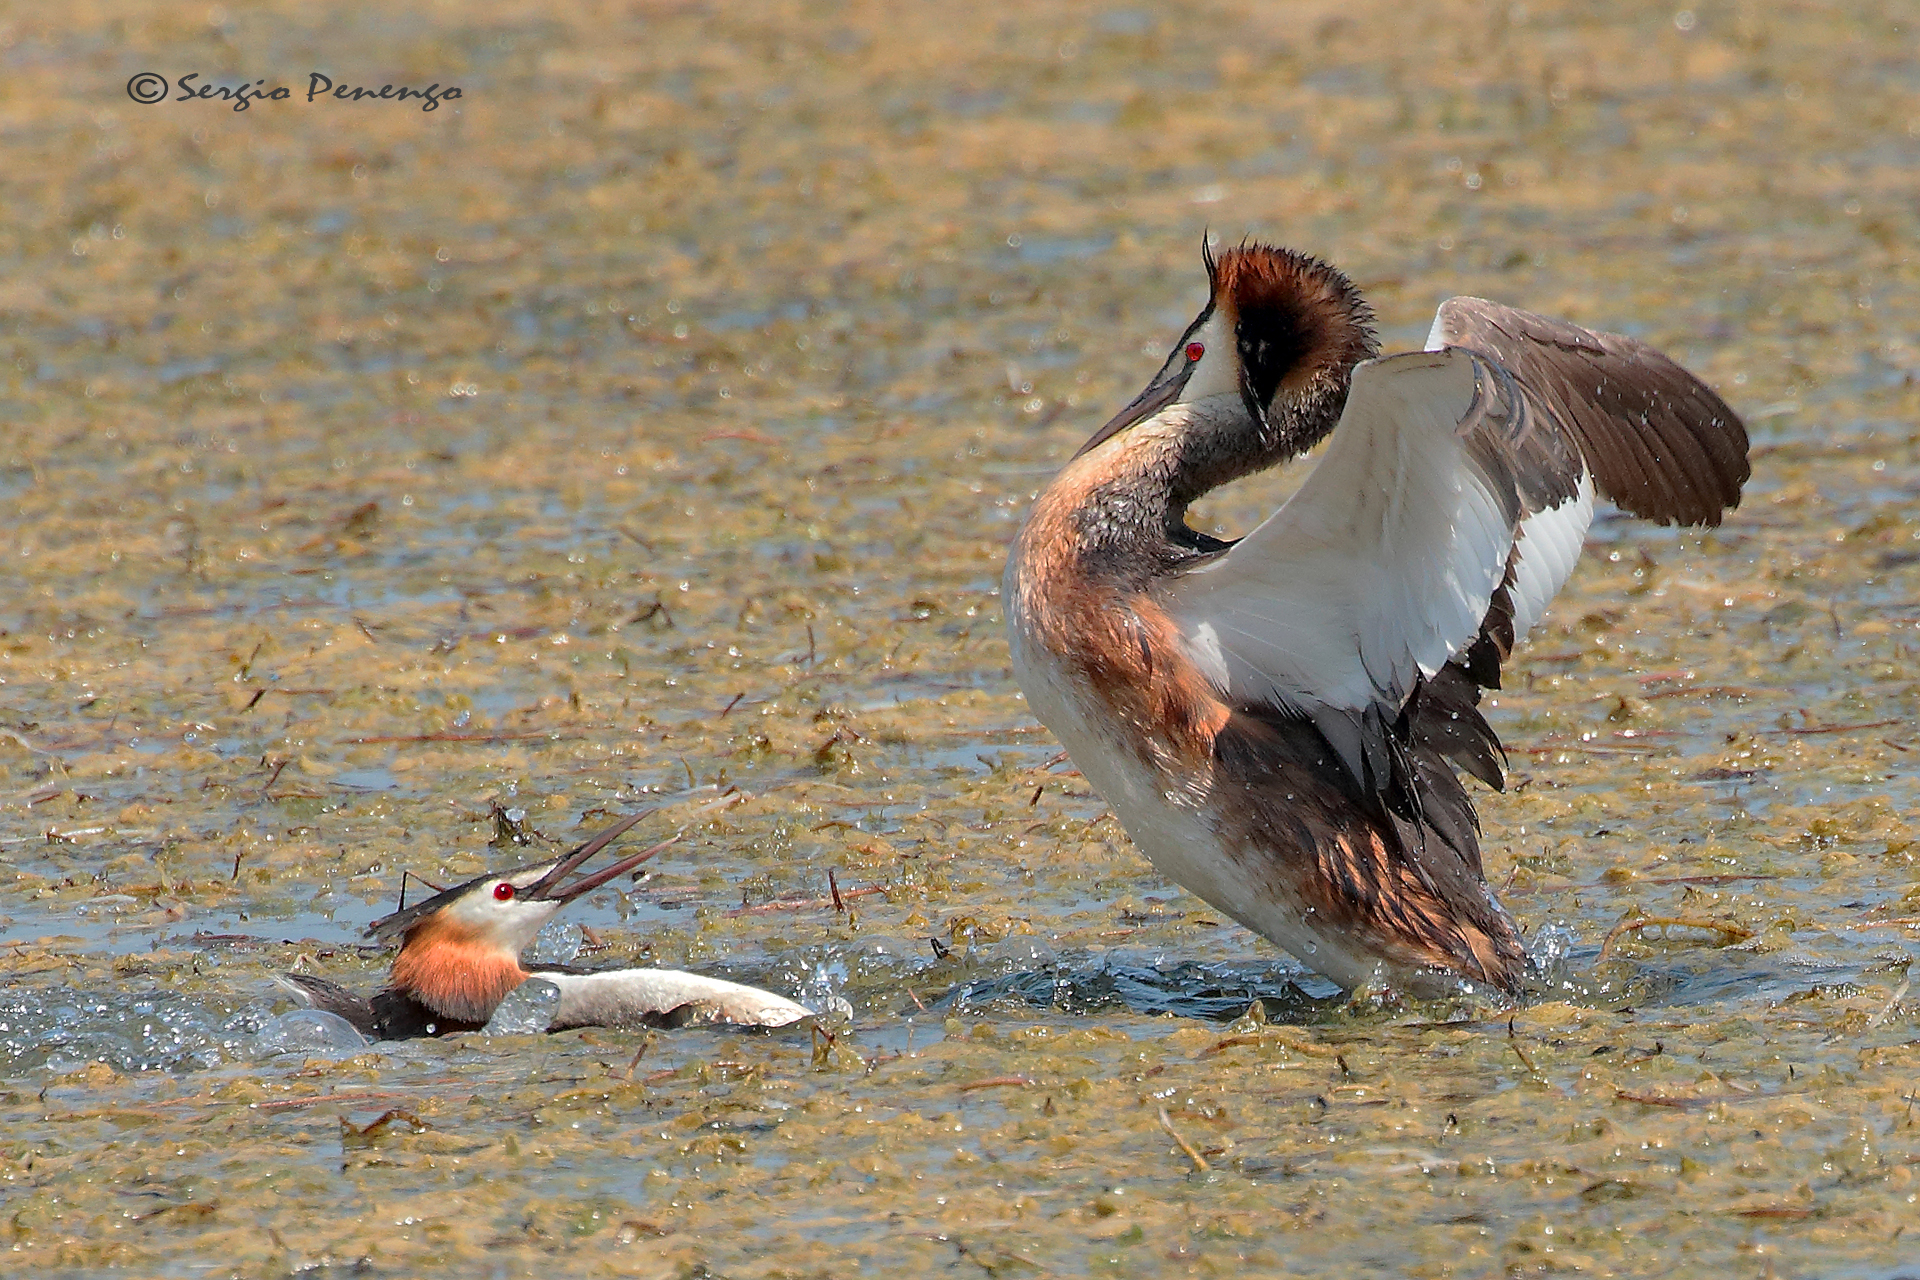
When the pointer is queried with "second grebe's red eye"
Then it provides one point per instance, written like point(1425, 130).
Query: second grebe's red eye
point(1194, 351)
point(503, 891)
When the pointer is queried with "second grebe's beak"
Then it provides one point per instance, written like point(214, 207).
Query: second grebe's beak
point(549, 887)
point(535, 882)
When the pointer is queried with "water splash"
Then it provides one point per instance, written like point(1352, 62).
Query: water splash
point(864, 975)
point(310, 1032)
point(62, 1030)
point(822, 992)
point(1087, 983)
point(558, 942)
point(527, 1011)
point(1551, 953)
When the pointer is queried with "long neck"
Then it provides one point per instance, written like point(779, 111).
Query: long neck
point(1129, 498)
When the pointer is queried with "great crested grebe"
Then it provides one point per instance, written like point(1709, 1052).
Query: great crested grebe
point(460, 956)
point(1278, 721)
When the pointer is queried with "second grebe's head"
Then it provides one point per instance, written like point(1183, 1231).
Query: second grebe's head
point(504, 910)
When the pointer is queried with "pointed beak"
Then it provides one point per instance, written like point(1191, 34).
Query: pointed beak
point(1161, 392)
point(549, 887)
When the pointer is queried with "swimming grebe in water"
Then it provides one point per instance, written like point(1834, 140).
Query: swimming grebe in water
point(460, 956)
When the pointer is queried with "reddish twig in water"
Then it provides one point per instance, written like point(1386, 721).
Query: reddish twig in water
point(1200, 1164)
point(1832, 728)
point(459, 737)
point(997, 1082)
point(289, 1104)
point(1739, 933)
point(1605, 884)
point(801, 904)
point(1513, 1043)
point(1658, 1100)
point(1271, 1035)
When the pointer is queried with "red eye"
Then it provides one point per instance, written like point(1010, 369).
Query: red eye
point(503, 891)
point(1194, 351)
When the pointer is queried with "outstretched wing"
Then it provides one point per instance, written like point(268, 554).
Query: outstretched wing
point(1659, 442)
point(1382, 567)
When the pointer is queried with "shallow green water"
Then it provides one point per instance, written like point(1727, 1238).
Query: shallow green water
point(647, 427)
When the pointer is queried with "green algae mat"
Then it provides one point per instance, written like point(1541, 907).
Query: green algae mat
point(408, 485)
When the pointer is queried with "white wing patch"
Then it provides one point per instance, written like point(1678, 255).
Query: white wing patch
point(1550, 541)
point(1548, 546)
point(1379, 569)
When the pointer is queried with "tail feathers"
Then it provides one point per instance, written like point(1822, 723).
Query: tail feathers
point(331, 997)
point(389, 1015)
point(1444, 717)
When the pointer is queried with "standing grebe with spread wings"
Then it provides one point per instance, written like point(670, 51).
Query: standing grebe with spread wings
point(1279, 722)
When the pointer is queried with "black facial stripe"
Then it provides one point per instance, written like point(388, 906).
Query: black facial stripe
point(1176, 362)
point(1160, 392)
point(1199, 323)
point(1270, 343)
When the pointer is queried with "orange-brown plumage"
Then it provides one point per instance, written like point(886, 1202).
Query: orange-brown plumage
point(1126, 647)
point(455, 969)
point(1363, 886)
point(1407, 896)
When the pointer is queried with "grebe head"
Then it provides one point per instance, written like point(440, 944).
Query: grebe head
point(1263, 369)
point(504, 910)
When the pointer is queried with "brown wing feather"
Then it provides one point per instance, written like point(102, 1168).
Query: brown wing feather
point(1412, 890)
point(1661, 444)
